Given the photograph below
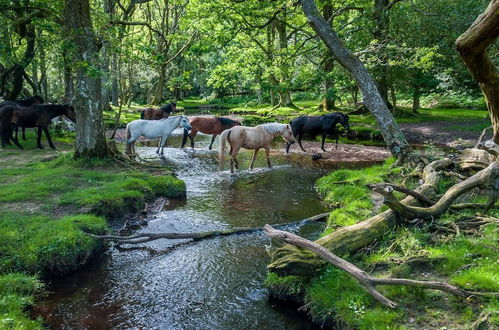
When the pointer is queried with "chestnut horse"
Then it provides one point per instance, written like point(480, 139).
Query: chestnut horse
point(208, 125)
point(156, 114)
point(257, 137)
point(39, 116)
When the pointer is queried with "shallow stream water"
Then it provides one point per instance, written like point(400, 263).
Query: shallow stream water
point(211, 284)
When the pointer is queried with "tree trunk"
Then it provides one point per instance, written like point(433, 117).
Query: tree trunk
point(68, 79)
point(391, 132)
point(472, 46)
point(158, 94)
point(114, 80)
point(284, 95)
point(382, 20)
point(415, 99)
point(90, 140)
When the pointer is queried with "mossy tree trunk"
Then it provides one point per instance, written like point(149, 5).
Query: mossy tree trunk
point(90, 140)
point(391, 132)
point(472, 46)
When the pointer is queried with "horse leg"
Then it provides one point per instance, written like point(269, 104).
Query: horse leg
point(16, 129)
point(337, 137)
point(39, 138)
point(233, 159)
point(323, 140)
point(300, 137)
point(254, 157)
point(47, 134)
point(24, 133)
point(159, 144)
point(10, 136)
point(163, 139)
point(267, 153)
point(212, 140)
point(192, 136)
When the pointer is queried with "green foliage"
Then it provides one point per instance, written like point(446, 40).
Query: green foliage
point(285, 285)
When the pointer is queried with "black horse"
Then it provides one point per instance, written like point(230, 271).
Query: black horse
point(32, 100)
point(39, 116)
point(313, 126)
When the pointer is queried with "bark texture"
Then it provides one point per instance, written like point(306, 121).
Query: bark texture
point(472, 46)
point(391, 132)
point(90, 140)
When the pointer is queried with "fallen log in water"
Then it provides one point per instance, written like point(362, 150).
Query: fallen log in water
point(147, 237)
point(368, 282)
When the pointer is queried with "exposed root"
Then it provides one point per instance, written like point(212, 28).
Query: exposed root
point(368, 282)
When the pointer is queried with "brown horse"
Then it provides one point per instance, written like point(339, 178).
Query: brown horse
point(24, 103)
point(156, 114)
point(39, 116)
point(208, 125)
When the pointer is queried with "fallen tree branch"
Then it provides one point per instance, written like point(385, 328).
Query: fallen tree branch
point(148, 237)
point(406, 191)
point(288, 260)
point(483, 178)
point(368, 282)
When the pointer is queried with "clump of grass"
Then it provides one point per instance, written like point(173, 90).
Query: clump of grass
point(17, 292)
point(346, 190)
point(285, 285)
point(335, 295)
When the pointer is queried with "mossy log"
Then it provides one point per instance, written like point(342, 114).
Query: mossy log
point(290, 260)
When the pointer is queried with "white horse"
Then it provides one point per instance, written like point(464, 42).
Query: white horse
point(252, 138)
point(153, 129)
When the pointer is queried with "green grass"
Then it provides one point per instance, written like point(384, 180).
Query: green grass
point(17, 292)
point(47, 201)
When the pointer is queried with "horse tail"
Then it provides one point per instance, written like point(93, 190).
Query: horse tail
point(224, 137)
point(184, 138)
point(128, 136)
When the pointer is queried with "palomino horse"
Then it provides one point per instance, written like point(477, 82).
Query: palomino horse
point(153, 129)
point(32, 100)
point(39, 116)
point(208, 125)
point(156, 114)
point(252, 138)
point(313, 126)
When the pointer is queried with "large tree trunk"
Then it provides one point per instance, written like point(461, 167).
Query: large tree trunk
point(415, 99)
point(382, 20)
point(391, 132)
point(280, 26)
point(90, 140)
point(472, 45)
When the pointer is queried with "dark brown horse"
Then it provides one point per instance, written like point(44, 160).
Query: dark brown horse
point(39, 116)
point(156, 114)
point(32, 100)
point(208, 125)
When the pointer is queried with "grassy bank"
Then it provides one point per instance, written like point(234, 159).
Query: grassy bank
point(47, 201)
point(417, 252)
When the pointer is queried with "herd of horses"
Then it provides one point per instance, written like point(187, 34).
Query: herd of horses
point(159, 124)
point(231, 132)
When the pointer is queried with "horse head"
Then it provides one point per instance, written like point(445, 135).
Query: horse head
point(287, 134)
point(184, 122)
point(344, 121)
point(70, 112)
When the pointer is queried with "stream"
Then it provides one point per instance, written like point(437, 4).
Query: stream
point(211, 284)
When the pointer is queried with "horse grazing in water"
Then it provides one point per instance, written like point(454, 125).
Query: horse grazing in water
point(313, 126)
point(39, 116)
point(208, 125)
point(252, 138)
point(156, 114)
point(32, 100)
point(153, 129)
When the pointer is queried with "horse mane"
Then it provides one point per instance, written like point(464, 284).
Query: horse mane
point(168, 107)
point(30, 101)
point(273, 127)
point(227, 121)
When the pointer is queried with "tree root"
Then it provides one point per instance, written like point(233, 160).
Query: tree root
point(480, 179)
point(368, 282)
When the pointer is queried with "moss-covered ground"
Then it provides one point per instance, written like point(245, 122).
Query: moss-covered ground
point(469, 260)
point(47, 201)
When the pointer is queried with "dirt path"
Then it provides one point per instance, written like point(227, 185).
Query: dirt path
point(455, 134)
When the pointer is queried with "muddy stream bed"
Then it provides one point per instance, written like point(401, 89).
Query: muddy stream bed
point(212, 284)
